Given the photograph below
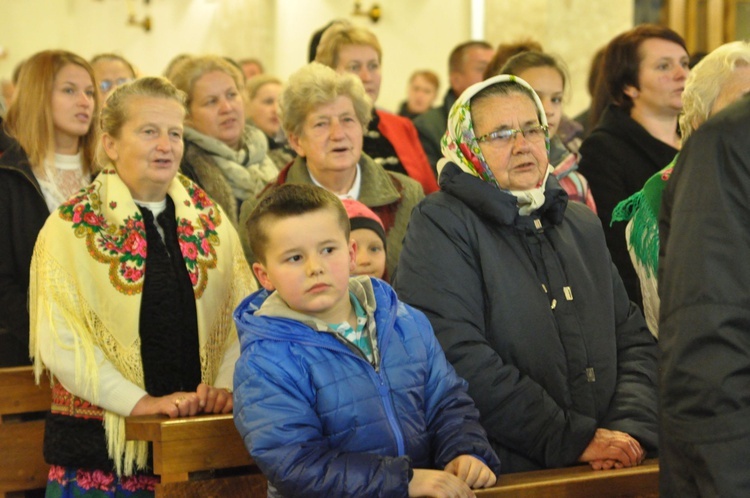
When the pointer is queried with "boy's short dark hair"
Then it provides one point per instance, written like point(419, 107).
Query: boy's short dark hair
point(285, 201)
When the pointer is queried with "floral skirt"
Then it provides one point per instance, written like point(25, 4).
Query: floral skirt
point(74, 483)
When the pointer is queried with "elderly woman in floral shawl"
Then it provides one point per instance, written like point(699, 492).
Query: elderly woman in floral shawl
point(133, 283)
point(521, 291)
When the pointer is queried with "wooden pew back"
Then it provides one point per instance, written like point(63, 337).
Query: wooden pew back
point(188, 451)
point(22, 407)
point(579, 481)
point(190, 448)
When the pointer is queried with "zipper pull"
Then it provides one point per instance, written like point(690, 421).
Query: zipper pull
point(590, 374)
point(568, 293)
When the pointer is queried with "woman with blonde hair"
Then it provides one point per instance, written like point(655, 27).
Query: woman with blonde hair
point(421, 93)
point(133, 283)
point(111, 71)
point(224, 155)
point(52, 122)
point(722, 77)
point(262, 110)
point(391, 140)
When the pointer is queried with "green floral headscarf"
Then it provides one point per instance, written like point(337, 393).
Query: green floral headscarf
point(459, 143)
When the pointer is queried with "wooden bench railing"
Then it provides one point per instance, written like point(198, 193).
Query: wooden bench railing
point(185, 447)
point(204, 456)
point(22, 408)
point(199, 456)
point(580, 481)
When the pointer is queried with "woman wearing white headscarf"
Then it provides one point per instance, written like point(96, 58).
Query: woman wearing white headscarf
point(521, 291)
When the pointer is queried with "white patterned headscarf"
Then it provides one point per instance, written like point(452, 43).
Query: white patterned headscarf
point(459, 144)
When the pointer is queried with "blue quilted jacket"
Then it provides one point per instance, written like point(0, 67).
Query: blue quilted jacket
point(319, 420)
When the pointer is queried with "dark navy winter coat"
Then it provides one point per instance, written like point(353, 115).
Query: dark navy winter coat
point(532, 313)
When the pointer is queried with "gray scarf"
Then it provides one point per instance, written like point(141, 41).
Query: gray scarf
point(232, 163)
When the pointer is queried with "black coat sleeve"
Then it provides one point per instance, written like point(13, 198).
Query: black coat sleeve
point(16, 245)
point(634, 404)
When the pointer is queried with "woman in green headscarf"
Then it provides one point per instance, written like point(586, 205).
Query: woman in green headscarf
point(523, 297)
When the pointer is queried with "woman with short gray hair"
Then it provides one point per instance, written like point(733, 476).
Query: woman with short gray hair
point(324, 115)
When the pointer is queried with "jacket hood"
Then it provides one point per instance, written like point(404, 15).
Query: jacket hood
point(253, 325)
point(500, 206)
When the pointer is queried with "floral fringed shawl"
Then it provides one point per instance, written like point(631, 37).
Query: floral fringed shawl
point(89, 262)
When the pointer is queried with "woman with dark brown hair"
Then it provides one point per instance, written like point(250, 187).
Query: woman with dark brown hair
point(645, 70)
point(51, 122)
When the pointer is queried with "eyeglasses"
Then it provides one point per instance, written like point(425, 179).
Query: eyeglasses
point(535, 133)
point(107, 85)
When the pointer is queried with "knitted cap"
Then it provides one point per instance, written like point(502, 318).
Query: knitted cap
point(360, 216)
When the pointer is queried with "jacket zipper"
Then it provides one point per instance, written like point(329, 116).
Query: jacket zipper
point(376, 374)
point(385, 397)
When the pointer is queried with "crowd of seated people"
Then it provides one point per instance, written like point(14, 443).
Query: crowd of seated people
point(162, 230)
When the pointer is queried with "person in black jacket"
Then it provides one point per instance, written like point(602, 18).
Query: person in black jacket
point(5, 141)
point(523, 296)
point(645, 70)
point(704, 285)
point(38, 172)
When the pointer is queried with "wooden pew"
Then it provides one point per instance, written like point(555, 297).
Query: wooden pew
point(22, 408)
point(204, 456)
point(579, 481)
point(187, 450)
point(201, 456)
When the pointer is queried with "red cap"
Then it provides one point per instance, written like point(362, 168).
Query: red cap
point(360, 216)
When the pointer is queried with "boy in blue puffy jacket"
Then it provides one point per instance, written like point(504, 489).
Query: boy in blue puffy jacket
point(341, 389)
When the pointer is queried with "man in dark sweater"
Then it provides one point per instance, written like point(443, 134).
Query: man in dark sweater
point(466, 66)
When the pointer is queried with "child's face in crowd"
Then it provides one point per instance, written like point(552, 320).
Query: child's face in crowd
point(370, 256)
point(549, 86)
point(308, 262)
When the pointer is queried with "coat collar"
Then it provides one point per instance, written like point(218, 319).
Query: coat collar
point(377, 188)
point(617, 122)
point(500, 206)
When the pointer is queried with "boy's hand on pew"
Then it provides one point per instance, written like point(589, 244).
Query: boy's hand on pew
point(472, 471)
point(438, 484)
